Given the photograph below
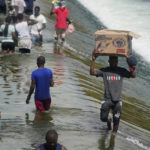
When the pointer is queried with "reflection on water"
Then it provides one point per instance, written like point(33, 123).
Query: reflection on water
point(37, 127)
point(58, 72)
point(74, 110)
point(38, 117)
point(107, 142)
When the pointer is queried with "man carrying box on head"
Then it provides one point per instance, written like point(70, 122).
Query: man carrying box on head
point(113, 81)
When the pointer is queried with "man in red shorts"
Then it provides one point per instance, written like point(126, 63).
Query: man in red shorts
point(42, 79)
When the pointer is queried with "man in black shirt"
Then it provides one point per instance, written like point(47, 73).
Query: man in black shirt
point(113, 80)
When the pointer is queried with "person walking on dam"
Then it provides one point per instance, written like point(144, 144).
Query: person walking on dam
point(42, 79)
point(113, 81)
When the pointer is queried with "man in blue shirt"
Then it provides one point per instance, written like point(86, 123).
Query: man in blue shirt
point(42, 79)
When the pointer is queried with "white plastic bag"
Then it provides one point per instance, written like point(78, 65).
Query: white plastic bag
point(70, 29)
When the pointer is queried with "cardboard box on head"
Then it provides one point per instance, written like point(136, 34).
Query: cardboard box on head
point(114, 42)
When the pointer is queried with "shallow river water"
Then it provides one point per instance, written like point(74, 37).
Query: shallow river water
point(74, 113)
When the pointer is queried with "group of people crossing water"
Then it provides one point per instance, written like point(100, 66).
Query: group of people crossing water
point(23, 26)
point(42, 78)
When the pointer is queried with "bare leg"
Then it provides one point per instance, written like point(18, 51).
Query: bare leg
point(12, 51)
point(4, 52)
point(115, 128)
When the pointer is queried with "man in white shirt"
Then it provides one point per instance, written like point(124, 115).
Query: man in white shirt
point(19, 6)
point(38, 24)
point(22, 29)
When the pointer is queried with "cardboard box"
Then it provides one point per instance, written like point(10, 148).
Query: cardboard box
point(114, 42)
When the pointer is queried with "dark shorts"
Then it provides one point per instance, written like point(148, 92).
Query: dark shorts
point(28, 11)
point(24, 50)
point(43, 105)
point(116, 108)
point(8, 46)
point(3, 8)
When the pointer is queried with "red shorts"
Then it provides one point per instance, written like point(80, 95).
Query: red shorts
point(42, 105)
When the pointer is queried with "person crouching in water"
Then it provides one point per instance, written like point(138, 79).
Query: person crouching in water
point(51, 142)
point(22, 29)
point(8, 32)
point(113, 81)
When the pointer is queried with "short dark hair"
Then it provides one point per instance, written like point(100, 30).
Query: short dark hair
point(40, 60)
point(49, 133)
point(8, 19)
point(37, 7)
point(113, 57)
point(20, 17)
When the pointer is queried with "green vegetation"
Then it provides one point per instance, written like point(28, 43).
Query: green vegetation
point(81, 58)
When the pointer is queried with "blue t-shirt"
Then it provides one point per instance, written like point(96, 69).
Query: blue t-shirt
point(42, 78)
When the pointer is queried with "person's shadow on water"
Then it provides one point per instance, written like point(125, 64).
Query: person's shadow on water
point(107, 141)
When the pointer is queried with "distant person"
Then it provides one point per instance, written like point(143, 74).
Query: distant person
point(19, 6)
point(8, 33)
point(42, 79)
point(3, 6)
point(106, 143)
point(55, 4)
point(39, 24)
point(62, 14)
point(24, 42)
point(51, 142)
point(113, 81)
point(11, 11)
point(29, 7)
